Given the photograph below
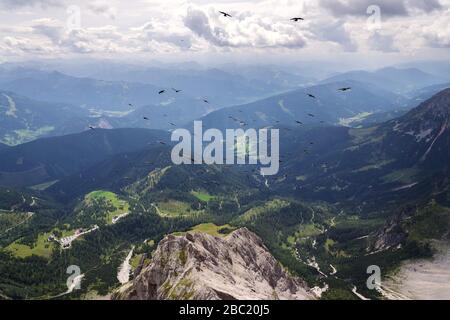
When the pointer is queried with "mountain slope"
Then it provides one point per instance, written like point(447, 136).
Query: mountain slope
point(50, 159)
point(218, 85)
point(395, 160)
point(198, 266)
point(96, 94)
point(392, 79)
point(329, 106)
point(23, 119)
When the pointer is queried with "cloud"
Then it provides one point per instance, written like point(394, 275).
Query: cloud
point(198, 22)
point(382, 42)
point(245, 30)
point(103, 8)
point(336, 32)
point(388, 7)
point(31, 3)
point(183, 26)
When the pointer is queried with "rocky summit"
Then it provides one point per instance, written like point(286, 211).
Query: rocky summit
point(199, 266)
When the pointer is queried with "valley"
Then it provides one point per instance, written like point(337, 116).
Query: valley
point(345, 198)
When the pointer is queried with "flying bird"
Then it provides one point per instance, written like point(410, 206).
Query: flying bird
point(297, 19)
point(161, 92)
point(311, 115)
point(205, 101)
point(344, 89)
point(172, 124)
point(311, 96)
point(177, 91)
point(299, 122)
point(162, 142)
point(145, 118)
point(225, 14)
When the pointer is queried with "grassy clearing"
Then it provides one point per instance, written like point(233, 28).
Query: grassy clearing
point(120, 206)
point(42, 247)
point(173, 208)
point(303, 232)
point(211, 229)
point(134, 262)
point(25, 135)
point(269, 206)
point(44, 186)
point(11, 219)
point(402, 176)
point(202, 196)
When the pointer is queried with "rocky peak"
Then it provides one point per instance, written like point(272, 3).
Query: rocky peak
point(200, 266)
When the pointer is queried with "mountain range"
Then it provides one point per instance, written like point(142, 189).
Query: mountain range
point(398, 80)
point(345, 198)
point(328, 105)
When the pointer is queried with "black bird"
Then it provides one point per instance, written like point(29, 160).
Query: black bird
point(205, 101)
point(344, 89)
point(311, 96)
point(145, 118)
point(297, 19)
point(91, 127)
point(311, 115)
point(177, 91)
point(225, 14)
point(130, 104)
point(172, 124)
point(162, 142)
point(162, 91)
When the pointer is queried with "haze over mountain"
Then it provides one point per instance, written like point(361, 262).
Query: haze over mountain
point(395, 159)
point(329, 106)
point(91, 93)
point(50, 159)
point(23, 119)
point(391, 78)
point(219, 85)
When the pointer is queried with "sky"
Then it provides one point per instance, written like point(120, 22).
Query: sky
point(259, 30)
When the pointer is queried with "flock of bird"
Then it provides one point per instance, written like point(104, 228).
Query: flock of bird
point(236, 119)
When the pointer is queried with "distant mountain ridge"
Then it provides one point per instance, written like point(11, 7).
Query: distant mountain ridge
point(329, 106)
point(53, 158)
point(392, 79)
point(23, 119)
point(393, 160)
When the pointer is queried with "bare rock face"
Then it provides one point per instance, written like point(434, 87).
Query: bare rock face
point(392, 234)
point(199, 266)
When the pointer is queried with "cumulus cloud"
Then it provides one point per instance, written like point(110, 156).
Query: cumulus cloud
point(388, 7)
point(31, 3)
point(244, 31)
point(336, 32)
point(382, 42)
point(175, 26)
point(103, 8)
